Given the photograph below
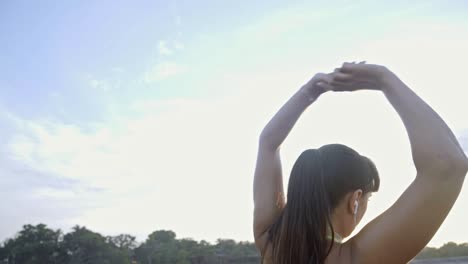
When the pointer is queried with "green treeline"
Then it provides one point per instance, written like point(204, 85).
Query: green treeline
point(40, 244)
point(449, 249)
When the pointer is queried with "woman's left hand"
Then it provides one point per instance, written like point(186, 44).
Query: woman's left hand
point(318, 85)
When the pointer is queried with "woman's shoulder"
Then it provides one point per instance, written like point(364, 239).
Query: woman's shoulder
point(339, 254)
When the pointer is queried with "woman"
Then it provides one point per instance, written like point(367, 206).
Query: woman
point(329, 187)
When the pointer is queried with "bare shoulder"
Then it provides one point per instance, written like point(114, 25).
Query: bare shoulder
point(401, 232)
point(340, 254)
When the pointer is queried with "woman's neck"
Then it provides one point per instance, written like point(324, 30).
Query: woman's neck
point(334, 236)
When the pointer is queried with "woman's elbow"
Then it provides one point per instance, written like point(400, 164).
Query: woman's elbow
point(266, 142)
point(457, 167)
point(444, 168)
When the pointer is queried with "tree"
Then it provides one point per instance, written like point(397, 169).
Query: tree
point(159, 247)
point(449, 249)
point(39, 244)
point(125, 243)
point(3, 254)
point(33, 244)
point(229, 247)
point(85, 246)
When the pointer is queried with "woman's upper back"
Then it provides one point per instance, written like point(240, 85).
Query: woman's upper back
point(339, 254)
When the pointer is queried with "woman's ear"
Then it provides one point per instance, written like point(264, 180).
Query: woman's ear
point(354, 199)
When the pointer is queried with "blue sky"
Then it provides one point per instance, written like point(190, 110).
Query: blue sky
point(144, 115)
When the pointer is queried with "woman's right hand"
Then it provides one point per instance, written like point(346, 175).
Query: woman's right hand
point(318, 85)
point(359, 76)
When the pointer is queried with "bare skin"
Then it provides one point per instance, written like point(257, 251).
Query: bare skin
point(399, 233)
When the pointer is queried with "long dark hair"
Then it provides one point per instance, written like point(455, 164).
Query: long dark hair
point(319, 179)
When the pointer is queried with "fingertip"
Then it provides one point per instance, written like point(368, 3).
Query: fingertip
point(342, 77)
point(347, 67)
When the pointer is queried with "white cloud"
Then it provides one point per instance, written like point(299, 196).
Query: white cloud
point(178, 20)
point(118, 69)
point(178, 45)
point(163, 49)
point(54, 193)
point(100, 84)
point(166, 48)
point(179, 161)
point(163, 71)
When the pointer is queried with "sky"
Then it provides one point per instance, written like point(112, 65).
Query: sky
point(136, 116)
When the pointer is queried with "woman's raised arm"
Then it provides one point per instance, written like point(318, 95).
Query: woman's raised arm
point(268, 183)
point(397, 235)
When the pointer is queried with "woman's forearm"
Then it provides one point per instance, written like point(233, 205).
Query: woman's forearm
point(433, 145)
point(283, 121)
